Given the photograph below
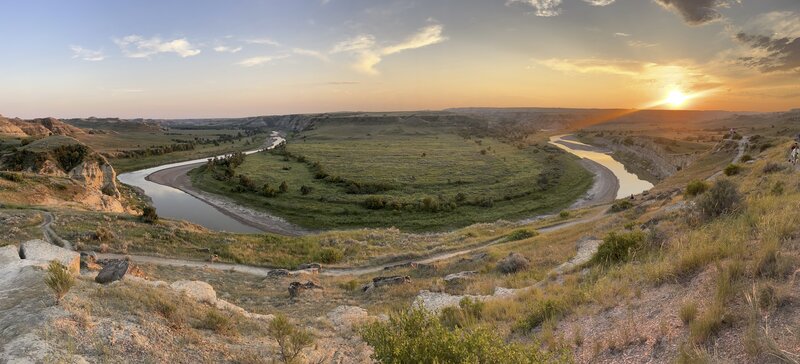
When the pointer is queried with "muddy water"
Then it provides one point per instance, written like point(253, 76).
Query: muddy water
point(629, 183)
point(176, 204)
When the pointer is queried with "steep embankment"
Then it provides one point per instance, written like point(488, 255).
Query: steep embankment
point(60, 171)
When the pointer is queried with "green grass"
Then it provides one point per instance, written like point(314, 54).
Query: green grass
point(420, 179)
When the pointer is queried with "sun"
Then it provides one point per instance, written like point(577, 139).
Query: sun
point(676, 98)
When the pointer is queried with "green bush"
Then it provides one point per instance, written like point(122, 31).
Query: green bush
point(284, 187)
point(618, 247)
point(465, 315)
point(520, 234)
point(621, 205)
point(746, 158)
point(375, 202)
point(329, 255)
point(217, 321)
point(149, 215)
point(732, 169)
point(695, 188)
point(291, 339)
point(416, 336)
point(13, 177)
point(59, 279)
point(305, 190)
point(721, 199)
point(564, 214)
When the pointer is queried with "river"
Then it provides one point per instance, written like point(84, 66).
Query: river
point(176, 204)
point(629, 183)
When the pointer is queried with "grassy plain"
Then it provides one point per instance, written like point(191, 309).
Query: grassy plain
point(423, 178)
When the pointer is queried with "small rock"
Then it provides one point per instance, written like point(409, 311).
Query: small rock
point(385, 281)
point(114, 270)
point(296, 287)
point(275, 273)
point(460, 277)
point(307, 266)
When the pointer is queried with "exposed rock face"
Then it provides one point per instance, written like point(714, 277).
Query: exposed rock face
point(9, 254)
point(9, 129)
point(97, 174)
point(38, 128)
point(344, 318)
point(385, 281)
point(197, 290)
point(114, 270)
point(44, 252)
point(295, 288)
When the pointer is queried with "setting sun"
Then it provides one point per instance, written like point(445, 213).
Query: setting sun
point(676, 98)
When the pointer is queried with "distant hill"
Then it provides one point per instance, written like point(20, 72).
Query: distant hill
point(37, 128)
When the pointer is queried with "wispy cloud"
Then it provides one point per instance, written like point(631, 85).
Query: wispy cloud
point(310, 53)
point(369, 55)
point(135, 46)
point(263, 41)
point(87, 54)
point(545, 8)
point(227, 49)
point(640, 44)
point(600, 2)
point(258, 61)
point(620, 34)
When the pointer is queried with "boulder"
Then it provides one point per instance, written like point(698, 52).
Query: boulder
point(344, 318)
point(385, 281)
point(295, 288)
point(460, 277)
point(198, 290)
point(8, 254)
point(114, 270)
point(513, 263)
point(42, 251)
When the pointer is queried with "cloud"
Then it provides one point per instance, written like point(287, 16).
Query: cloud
point(87, 54)
point(310, 53)
point(640, 44)
point(771, 42)
point(369, 55)
point(258, 61)
point(620, 34)
point(135, 46)
point(696, 12)
point(226, 49)
point(544, 8)
point(263, 41)
point(599, 2)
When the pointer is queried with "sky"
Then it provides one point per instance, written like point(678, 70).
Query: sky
point(204, 58)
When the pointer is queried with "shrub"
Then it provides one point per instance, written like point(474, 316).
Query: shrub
point(695, 188)
point(149, 215)
point(621, 205)
point(688, 312)
point(416, 336)
point(329, 255)
point(291, 340)
point(70, 156)
point(104, 234)
point(563, 214)
point(305, 190)
point(217, 321)
point(59, 279)
point(513, 263)
point(746, 158)
point(618, 247)
point(375, 202)
point(13, 177)
point(520, 234)
point(732, 169)
point(773, 167)
point(284, 187)
point(721, 199)
point(543, 310)
point(465, 315)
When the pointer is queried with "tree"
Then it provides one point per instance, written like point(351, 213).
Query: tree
point(149, 215)
point(59, 279)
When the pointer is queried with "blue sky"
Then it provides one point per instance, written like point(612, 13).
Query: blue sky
point(237, 58)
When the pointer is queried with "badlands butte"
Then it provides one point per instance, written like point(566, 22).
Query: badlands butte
point(527, 235)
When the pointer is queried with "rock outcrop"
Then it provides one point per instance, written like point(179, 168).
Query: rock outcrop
point(44, 252)
point(295, 288)
point(114, 270)
point(385, 281)
point(97, 174)
point(197, 290)
point(9, 254)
